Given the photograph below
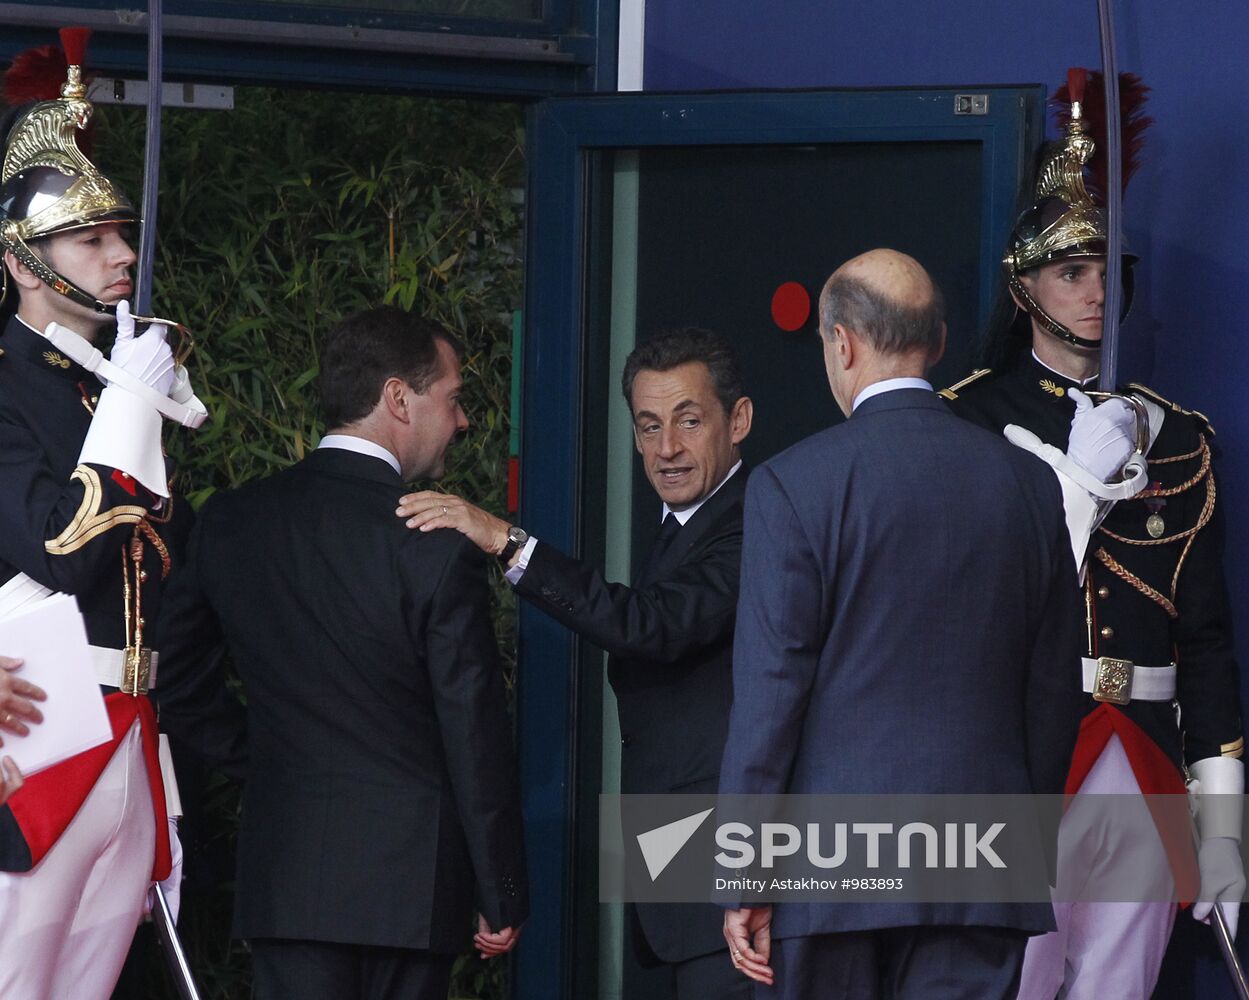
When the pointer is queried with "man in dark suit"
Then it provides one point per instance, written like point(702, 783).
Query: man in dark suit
point(381, 803)
point(669, 635)
point(904, 626)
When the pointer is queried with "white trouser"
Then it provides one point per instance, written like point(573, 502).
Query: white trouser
point(1102, 950)
point(66, 925)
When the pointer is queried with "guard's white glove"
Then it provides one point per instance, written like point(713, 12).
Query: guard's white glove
point(148, 356)
point(1222, 879)
point(1102, 437)
point(1218, 789)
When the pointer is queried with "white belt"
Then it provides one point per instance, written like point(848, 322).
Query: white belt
point(1121, 681)
point(110, 664)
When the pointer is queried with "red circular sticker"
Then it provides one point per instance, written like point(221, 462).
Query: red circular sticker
point(791, 305)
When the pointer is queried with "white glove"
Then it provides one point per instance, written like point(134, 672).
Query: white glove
point(1218, 787)
point(147, 357)
point(1222, 879)
point(1102, 437)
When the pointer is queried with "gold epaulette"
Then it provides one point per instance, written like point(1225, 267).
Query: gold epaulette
point(951, 392)
point(1149, 393)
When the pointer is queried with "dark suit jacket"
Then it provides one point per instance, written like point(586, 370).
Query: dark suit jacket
point(670, 641)
point(908, 623)
point(381, 800)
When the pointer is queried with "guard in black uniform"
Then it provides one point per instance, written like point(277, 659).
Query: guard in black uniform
point(1157, 616)
point(84, 510)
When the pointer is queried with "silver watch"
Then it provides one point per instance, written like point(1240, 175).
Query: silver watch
point(516, 537)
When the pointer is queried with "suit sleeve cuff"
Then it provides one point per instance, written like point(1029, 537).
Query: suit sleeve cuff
point(125, 435)
point(515, 572)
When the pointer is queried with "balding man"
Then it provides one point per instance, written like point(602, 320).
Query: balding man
point(907, 592)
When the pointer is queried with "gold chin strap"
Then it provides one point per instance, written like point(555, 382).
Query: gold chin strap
point(12, 241)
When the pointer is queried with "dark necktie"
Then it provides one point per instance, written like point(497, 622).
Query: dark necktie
point(663, 542)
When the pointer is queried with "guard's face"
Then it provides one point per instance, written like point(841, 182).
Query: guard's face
point(437, 419)
point(1073, 292)
point(97, 259)
point(686, 440)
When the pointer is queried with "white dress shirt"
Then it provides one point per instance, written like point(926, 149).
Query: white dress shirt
point(361, 446)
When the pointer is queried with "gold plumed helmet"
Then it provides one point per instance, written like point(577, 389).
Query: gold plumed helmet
point(47, 184)
point(1065, 220)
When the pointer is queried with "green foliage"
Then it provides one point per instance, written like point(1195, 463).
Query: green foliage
point(275, 220)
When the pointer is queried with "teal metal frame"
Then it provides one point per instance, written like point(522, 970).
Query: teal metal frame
point(570, 49)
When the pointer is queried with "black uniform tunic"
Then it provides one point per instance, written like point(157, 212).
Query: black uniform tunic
point(66, 526)
point(1153, 600)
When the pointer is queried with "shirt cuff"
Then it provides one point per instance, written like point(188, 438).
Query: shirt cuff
point(514, 573)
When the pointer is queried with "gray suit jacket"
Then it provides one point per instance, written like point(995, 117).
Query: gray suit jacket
point(908, 623)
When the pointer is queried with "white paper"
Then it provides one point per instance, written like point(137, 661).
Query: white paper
point(50, 639)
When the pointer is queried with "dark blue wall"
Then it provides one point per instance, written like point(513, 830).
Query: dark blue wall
point(1187, 211)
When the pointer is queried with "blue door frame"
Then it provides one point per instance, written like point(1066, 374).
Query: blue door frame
point(562, 132)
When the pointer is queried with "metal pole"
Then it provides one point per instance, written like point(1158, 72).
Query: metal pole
point(1112, 307)
point(179, 967)
point(1228, 949)
point(151, 162)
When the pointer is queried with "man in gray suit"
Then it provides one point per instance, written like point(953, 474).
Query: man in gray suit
point(906, 624)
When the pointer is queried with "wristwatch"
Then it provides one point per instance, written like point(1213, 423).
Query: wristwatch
point(516, 537)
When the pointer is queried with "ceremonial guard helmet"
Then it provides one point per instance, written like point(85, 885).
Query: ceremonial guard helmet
point(47, 184)
point(1065, 220)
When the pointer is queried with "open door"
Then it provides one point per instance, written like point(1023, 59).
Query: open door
point(726, 211)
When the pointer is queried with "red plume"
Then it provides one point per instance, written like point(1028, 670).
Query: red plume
point(1077, 78)
point(74, 42)
point(36, 75)
point(1132, 119)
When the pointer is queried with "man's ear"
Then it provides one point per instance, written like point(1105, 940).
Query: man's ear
point(740, 418)
point(845, 343)
point(22, 276)
point(395, 398)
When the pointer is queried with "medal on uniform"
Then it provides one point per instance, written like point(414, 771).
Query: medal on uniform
point(1154, 524)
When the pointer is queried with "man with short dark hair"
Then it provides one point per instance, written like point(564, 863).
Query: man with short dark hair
point(381, 803)
point(906, 594)
point(669, 635)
